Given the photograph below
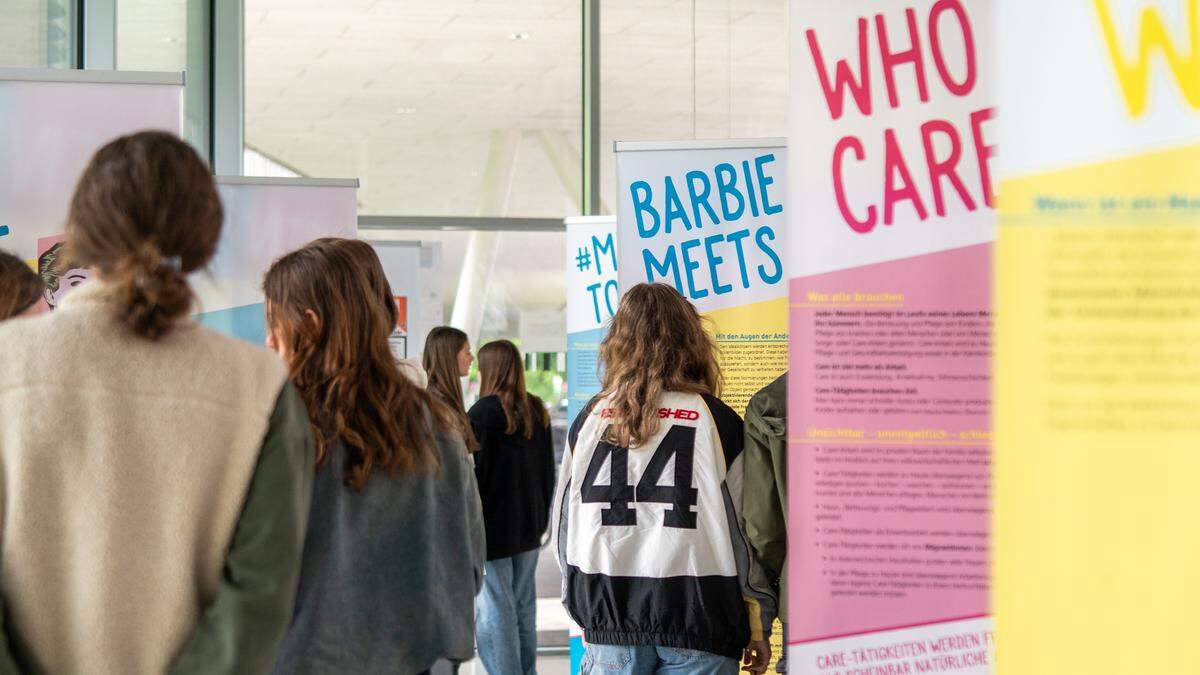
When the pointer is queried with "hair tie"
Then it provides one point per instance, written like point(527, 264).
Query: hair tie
point(174, 262)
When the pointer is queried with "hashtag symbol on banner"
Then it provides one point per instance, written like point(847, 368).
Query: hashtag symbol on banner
point(583, 259)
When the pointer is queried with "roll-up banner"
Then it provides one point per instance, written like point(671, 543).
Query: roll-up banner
point(264, 219)
point(1098, 337)
point(592, 297)
point(51, 123)
point(708, 218)
point(890, 257)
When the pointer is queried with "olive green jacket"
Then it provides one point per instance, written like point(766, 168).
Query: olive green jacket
point(156, 496)
point(764, 500)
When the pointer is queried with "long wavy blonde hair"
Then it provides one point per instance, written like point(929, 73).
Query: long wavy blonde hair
point(656, 343)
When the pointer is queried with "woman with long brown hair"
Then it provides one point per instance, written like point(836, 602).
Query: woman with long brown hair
point(394, 551)
point(367, 261)
point(515, 468)
point(161, 471)
point(20, 287)
point(447, 359)
point(647, 534)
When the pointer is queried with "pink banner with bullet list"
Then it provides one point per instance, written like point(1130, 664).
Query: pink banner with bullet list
point(890, 471)
point(889, 407)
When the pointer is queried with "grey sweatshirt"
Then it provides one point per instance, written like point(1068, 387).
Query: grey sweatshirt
point(389, 574)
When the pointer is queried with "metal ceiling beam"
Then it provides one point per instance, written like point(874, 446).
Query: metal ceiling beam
point(470, 223)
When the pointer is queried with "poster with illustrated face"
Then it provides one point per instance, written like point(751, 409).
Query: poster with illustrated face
point(53, 122)
point(58, 271)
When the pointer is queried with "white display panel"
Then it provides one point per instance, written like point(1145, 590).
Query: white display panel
point(264, 219)
point(414, 271)
point(51, 123)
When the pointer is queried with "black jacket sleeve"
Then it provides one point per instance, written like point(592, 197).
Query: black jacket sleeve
point(547, 458)
point(487, 422)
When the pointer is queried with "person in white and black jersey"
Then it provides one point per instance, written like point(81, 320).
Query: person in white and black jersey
point(656, 566)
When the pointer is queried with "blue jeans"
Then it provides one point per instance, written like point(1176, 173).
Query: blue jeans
point(622, 660)
point(506, 616)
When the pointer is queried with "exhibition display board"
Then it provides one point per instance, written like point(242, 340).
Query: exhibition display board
point(592, 298)
point(1098, 337)
point(264, 219)
point(414, 271)
point(53, 122)
point(708, 217)
point(889, 253)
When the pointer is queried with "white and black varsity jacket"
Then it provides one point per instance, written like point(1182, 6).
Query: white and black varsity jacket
point(650, 540)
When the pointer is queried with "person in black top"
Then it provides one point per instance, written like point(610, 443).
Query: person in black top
point(515, 471)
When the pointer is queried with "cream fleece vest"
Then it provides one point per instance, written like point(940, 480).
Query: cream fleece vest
point(124, 464)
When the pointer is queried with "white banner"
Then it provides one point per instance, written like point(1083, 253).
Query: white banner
point(708, 218)
point(592, 298)
point(264, 219)
point(704, 216)
point(51, 123)
point(414, 271)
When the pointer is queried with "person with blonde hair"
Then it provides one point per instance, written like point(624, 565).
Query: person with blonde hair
point(515, 468)
point(648, 535)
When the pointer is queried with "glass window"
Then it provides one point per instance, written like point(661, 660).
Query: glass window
point(170, 36)
point(38, 34)
point(453, 108)
point(152, 35)
point(684, 70)
point(514, 289)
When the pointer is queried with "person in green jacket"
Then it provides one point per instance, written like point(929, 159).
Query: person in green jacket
point(157, 475)
point(764, 500)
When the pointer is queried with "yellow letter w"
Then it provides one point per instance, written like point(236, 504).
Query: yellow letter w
point(1135, 77)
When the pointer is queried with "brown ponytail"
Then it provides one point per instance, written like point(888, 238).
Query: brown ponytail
point(146, 213)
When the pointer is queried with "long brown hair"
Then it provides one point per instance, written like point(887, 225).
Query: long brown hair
point(146, 213)
point(20, 287)
point(656, 343)
point(440, 360)
point(343, 367)
point(367, 261)
point(501, 373)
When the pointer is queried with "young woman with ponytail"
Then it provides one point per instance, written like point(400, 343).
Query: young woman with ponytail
point(515, 468)
point(160, 472)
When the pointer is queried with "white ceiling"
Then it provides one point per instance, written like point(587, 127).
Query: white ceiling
point(407, 96)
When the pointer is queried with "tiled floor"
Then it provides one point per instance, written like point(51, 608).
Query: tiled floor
point(547, 665)
point(552, 620)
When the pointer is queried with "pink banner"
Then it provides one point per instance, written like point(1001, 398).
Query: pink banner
point(890, 322)
point(889, 481)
